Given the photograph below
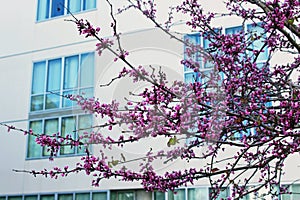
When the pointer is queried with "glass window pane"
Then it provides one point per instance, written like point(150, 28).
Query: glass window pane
point(65, 197)
point(51, 127)
point(67, 102)
point(99, 196)
point(197, 193)
point(224, 193)
point(87, 92)
point(31, 197)
point(257, 44)
point(37, 103)
point(67, 128)
point(87, 70)
point(15, 198)
point(71, 72)
point(57, 8)
point(43, 10)
point(191, 77)
point(38, 78)
point(233, 30)
point(33, 149)
point(296, 191)
point(82, 196)
point(178, 195)
point(74, 5)
point(159, 196)
point(84, 125)
point(89, 4)
point(2, 198)
point(47, 197)
point(52, 101)
point(193, 39)
point(54, 75)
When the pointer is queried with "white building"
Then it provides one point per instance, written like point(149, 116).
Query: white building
point(42, 54)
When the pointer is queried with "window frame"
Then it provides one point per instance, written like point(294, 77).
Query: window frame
point(201, 40)
point(77, 151)
point(78, 89)
point(65, 12)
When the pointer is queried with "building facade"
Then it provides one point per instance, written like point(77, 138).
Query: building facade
point(42, 58)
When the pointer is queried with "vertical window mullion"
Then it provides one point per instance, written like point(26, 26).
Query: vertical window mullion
point(59, 129)
point(61, 92)
point(46, 82)
point(76, 132)
point(50, 8)
point(79, 71)
point(43, 132)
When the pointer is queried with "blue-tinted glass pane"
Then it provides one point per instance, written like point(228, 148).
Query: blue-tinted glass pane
point(47, 197)
point(33, 149)
point(71, 72)
point(179, 195)
point(43, 10)
point(233, 30)
point(65, 197)
point(52, 101)
point(82, 196)
point(224, 193)
point(54, 75)
point(57, 8)
point(32, 197)
point(84, 125)
point(15, 198)
point(89, 4)
point(67, 102)
point(87, 92)
point(190, 77)
point(205, 76)
point(258, 43)
point(38, 78)
point(67, 128)
point(194, 40)
point(87, 70)
point(126, 195)
point(74, 5)
point(51, 127)
point(197, 193)
point(159, 196)
point(37, 103)
point(99, 196)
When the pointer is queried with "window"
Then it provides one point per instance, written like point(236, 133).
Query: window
point(122, 195)
point(178, 194)
point(61, 76)
point(159, 196)
point(99, 196)
point(295, 192)
point(58, 196)
point(14, 198)
point(50, 112)
point(52, 8)
point(224, 193)
point(65, 197)
point(31, 197)
point(255, 34)
point(205, 65)
point(65, 125)
point(82, 196)
point(197, 193)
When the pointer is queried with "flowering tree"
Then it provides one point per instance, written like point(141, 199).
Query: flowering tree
point(235, 125)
